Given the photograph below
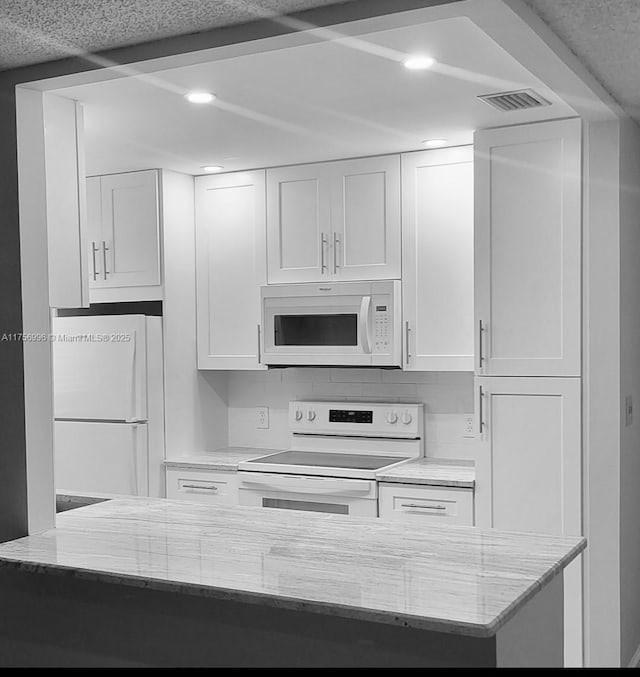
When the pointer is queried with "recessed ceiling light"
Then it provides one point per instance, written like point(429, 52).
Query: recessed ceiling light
point(199, 97)
point(212, 169)
point(434, 143)
point(418, 62)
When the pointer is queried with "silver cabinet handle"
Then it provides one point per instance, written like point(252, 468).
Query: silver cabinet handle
point(480, 351)
point(407, 354)
point(105, 249)
point(200, 486)
point(336, 242)
point(425, 507)
point(480, 421)
point(94, 249)
point(259, 337)
point(323, 242)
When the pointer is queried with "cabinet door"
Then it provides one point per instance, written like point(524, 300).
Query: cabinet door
point(365, 218)
point(298, 223)
point(94, 231)
point(230, 267)
point(65, 200)
point(130, 243)
point(527, 261)
point(528, 470)
point(437, 252)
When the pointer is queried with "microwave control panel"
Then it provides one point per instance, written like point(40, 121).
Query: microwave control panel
point(381, 340)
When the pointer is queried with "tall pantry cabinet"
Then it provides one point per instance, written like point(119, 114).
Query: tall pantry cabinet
point(527, 342)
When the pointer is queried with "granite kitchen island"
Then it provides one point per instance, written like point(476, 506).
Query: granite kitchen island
point(168, 583)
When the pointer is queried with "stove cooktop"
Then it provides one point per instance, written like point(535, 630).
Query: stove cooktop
point(321, 459)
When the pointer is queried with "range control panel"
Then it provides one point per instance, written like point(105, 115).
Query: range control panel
point(350, 416)
point(371, 419)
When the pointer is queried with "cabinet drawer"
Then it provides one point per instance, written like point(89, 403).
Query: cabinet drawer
point(432, 504)
point(201, 486)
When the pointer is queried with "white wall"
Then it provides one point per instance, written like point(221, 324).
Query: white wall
point(601, 389)
point(448, 397)
point(195, 402)
point(630, 385)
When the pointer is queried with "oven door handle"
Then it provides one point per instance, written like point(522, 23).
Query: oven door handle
point(305, 485)
point(365, 338)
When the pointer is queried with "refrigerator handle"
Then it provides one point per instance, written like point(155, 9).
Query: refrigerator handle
point(134, 413)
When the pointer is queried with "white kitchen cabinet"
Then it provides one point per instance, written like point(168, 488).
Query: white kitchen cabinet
point(334, 221)
point(230, 267)
point(64, 198)
point(202, 486)
point(123, 212)
point(298, 223)
point(437, 256)
point(432, 505)
point(365, 219)
point(528, 249)
point(528, 469)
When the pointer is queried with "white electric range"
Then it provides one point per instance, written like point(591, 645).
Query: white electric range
point(336, 450)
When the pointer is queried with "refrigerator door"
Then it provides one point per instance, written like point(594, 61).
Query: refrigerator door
point(100, 368)
point(106, 458)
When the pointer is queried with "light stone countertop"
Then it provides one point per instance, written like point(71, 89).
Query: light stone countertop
point(433, 472)
point(222, 459)
point(452, 579)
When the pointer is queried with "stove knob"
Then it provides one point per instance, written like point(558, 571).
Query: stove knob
point(298, 415)
point(392, 417)
point(406, 418)
point(311, 415)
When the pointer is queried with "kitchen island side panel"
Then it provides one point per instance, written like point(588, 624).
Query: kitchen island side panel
point(61, 621)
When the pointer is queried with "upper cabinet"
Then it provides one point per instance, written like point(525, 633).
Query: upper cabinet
point(230, 267)
point(527, 249)
point(334, 220)
point(437, 255)
point(298, 223)
point(123, 214)
point(365, 218)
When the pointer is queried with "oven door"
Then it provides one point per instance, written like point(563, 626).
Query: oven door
point(309, 493)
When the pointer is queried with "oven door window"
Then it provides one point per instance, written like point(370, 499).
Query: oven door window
point(339, 329)
point(310, 506)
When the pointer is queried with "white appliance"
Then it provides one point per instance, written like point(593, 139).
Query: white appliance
point(336, 450)
point(108, 405)
point(332, 324)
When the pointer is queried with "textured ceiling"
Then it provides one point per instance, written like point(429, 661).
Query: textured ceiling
point(605, 36)
point(40, 30)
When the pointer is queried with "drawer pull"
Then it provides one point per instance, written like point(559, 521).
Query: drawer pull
point(199, 486)
point(424, 507)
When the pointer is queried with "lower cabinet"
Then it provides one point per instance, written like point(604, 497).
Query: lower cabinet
point(202, 486)
point(435, 505)
point(529, 469)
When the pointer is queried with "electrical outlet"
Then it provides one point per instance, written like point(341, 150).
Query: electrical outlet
point(468, 426)
point(628, 410)
point(262, 417)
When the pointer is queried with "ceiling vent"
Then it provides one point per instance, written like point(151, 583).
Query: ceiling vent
point(521, 99)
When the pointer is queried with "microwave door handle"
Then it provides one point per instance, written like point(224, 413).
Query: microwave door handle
point(365, 339)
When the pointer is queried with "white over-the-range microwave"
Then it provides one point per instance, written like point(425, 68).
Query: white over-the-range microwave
point(332, 324)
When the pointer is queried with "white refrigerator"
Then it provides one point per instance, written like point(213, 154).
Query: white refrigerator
point(108, 405)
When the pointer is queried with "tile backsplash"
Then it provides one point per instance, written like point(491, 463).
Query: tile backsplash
point(447, 396)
